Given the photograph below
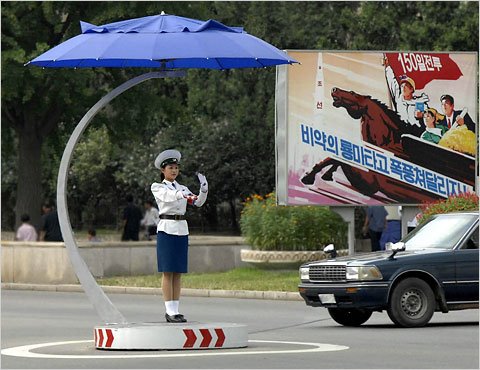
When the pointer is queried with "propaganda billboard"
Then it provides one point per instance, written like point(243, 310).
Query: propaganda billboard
point(369, 128)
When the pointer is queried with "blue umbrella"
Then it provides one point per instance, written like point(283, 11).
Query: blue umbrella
point(163, 41)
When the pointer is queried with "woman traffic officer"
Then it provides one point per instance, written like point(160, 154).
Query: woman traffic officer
point(172, 230)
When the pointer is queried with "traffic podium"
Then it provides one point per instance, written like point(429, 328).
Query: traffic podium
point(170, 336)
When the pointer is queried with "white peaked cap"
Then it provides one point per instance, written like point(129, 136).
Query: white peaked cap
point(167, 157)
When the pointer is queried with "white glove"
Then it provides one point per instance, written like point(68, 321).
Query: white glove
point(203, 183)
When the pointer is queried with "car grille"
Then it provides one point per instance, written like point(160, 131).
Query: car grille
point(327, 273)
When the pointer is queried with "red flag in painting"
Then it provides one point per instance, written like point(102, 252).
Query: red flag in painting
point(424, 67)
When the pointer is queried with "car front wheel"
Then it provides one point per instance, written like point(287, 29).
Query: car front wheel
point(412, 303)
point(349, 316)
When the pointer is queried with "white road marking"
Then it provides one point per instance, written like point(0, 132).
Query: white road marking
point(25, 351)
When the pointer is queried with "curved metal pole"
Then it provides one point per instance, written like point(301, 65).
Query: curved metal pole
point(104, 307)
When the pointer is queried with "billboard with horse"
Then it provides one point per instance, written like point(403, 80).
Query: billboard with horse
point(368, 128)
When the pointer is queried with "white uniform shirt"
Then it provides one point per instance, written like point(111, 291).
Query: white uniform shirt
point(170, 200)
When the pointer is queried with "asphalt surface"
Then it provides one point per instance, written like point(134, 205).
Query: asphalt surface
point(283, 334)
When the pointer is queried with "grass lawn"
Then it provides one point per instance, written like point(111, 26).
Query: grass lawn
point(245, 278)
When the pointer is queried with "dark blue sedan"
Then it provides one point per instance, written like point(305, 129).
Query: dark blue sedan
point(434, 268)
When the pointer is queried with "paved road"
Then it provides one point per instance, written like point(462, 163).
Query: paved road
point(30, 317)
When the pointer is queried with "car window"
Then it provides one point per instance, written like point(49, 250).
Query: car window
point(472, 242)
point(443, 231)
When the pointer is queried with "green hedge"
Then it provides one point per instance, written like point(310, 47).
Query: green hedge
point(266, 226)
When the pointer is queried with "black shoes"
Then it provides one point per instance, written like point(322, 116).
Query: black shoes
point(175, 318)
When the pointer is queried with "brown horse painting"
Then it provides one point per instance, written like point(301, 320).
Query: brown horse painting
point(382, 127)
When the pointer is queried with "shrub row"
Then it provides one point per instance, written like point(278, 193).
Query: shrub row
point(267, 226)
point(457, 202)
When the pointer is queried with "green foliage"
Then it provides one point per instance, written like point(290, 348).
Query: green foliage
point(267, 226)
point(91, 178)
point(232, 137)
point(92, 156)
point(458, 202)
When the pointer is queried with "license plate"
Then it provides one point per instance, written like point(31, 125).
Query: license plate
point(327, 298)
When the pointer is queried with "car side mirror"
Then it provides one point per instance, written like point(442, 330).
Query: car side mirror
point(395, 248)
point(330, 249)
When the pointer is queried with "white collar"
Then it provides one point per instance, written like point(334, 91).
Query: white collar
point(169, 183)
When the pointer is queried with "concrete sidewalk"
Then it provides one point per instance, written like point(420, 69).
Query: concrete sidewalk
point(245, 294)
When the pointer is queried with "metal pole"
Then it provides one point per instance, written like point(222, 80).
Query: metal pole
point(104, 307)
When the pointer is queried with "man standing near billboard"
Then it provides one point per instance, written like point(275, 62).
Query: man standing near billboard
point(375, 223)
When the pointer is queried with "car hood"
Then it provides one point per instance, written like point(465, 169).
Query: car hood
point(373, 257)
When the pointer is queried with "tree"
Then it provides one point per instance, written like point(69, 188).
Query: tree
point(35, 101)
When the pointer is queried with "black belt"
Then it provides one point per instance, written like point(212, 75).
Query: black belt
point(172, 217)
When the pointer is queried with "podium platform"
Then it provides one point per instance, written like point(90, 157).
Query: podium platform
point(168, 336)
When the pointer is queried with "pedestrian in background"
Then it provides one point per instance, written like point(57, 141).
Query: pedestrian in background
point(92, 236)
point(150, 220)
point(132, 215)
point(172, 230)
point(26, 232)
point(375, 223)
point(393, 232)
point(50, 230)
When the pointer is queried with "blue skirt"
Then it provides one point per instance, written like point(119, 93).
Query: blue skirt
point(172, 252)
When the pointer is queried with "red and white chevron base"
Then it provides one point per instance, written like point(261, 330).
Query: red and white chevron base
point(153, 335)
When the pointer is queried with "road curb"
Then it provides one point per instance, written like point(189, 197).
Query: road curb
point(186, 292)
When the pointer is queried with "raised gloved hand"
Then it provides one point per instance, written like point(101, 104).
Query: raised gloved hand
point(203, 182)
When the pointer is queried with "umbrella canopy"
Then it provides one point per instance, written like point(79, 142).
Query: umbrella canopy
point(163, 41)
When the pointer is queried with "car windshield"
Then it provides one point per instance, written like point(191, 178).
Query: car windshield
point(442, 231)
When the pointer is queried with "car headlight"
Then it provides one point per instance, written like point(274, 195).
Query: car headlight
point(304, 273)
point(363, 273)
